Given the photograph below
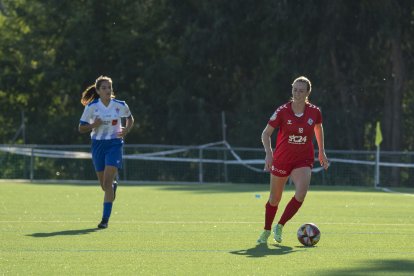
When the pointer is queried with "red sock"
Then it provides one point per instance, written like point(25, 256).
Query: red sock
point(290, 210)
point(269, 216)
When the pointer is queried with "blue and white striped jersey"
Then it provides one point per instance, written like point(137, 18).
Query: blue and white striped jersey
point(110, 115)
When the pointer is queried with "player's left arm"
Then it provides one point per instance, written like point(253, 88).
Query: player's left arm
point(129, 123)
point(321, 145)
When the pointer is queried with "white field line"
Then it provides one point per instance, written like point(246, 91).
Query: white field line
point(197, 222)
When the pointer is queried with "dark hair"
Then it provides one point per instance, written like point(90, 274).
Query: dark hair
point(90, 93)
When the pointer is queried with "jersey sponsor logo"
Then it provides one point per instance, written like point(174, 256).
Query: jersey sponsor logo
point(310, 121)
point(297, 139)
point(107, 120)
point(274, 169)
point(289, 122)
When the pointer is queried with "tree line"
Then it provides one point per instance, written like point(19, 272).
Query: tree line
point(179, 64)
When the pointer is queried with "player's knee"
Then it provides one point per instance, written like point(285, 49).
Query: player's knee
point(107, 186)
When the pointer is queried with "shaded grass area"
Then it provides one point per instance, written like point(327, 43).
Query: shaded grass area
point(207, 229)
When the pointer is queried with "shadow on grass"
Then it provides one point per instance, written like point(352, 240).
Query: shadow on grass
point(373, 267)
point(185, 187)
point(263, 250)
point(64, 233)
point(218, 187)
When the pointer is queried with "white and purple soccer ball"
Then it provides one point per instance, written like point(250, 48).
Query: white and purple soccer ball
point(309, 234)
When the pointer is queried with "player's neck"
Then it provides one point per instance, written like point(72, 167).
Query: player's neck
point(105, 102)
point(298, 107)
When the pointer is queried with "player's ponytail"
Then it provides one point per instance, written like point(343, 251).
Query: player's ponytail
point(89, 95)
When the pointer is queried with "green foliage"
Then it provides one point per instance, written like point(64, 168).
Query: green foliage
point(179, 64)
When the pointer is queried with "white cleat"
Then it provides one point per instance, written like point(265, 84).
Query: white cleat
point(278, 232)
point(264, 236)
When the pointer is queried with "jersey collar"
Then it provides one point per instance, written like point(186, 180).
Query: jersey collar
point(104, 106)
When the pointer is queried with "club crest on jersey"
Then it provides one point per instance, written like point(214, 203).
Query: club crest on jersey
point(310, 121)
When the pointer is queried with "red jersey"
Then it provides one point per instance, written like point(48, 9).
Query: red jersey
point(295, 136)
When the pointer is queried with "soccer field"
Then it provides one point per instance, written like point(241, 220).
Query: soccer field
point(208, 229)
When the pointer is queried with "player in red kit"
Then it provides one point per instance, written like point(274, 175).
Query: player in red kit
point(298, 122)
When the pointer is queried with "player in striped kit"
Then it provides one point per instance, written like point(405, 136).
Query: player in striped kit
point(298, 122)
point(102, 117)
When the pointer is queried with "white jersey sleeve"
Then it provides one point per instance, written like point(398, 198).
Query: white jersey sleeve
point(87, 116)
point(125, 111)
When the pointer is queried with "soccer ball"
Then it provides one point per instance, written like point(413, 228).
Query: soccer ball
point(309, 234)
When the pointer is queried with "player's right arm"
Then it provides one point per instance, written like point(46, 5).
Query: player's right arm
point(267, 144)
point(86, 127)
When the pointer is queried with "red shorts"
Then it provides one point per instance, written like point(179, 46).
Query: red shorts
point(283, 170)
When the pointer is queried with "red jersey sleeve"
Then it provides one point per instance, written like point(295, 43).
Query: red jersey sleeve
point(318, 117)
point(276, 119)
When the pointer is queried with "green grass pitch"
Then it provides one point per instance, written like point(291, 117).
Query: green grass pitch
point(200, 229)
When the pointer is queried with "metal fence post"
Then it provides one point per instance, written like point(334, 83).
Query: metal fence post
point(32, 165)
point(200, 165)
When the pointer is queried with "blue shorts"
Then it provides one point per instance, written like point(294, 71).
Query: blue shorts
point(107, 153)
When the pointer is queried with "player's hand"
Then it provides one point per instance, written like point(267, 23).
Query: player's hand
point(323, 160)
point(268, 162)
point(123, 133)
point(97, 122)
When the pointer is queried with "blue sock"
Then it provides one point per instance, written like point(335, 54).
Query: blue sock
point(107, 208)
